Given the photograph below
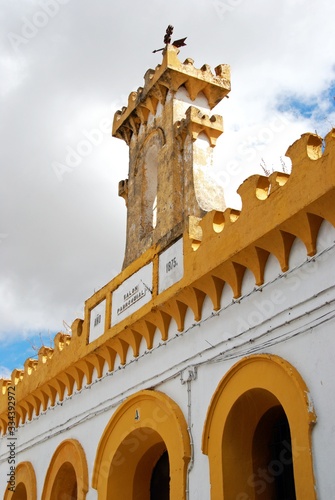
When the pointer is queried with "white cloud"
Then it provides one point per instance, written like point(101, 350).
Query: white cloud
point(5, 373)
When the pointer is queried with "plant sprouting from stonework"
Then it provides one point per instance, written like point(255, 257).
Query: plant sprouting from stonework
point(36, 346)
point(283, 165)
point(264, 167)
point(268, 171)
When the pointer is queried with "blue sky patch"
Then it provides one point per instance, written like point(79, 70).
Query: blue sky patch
point(311, 107)
point(14, 354)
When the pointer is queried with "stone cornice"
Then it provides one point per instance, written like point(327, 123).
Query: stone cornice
point(196, 122)
point(170, 75)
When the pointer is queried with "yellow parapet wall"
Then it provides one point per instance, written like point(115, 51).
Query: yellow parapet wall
point(275, 211)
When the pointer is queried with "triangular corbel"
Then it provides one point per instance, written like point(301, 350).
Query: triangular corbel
point(232, 273)
point(68, 380)
point(213, 287)
point(36, 402)
point(177, 309)
point(22, 410)
point(121, 347)
point(151, 103)
point(305, 226)
point(143, 114)
point(77, 375)
point(59, 386)
point(87, 367)
point(162, 321)
point(159, 92)
point(194, 298)
point(134, 340)
point(109, 354)
point(98, 362)
point(324, 207)
point(194, 87)
point(147, 330)
point(254, 258)
point(134, 123)
point(51, 392)
point(3, 426)
point(42, 396)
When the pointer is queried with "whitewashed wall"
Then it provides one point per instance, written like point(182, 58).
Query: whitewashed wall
point(292, 315)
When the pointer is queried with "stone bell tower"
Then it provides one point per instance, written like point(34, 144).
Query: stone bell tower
point(171, 139)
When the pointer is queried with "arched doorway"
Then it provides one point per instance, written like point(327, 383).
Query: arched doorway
point(67, 475)
point(145, 442)
point(65, 485)
point(25, 483)
point(257, 433)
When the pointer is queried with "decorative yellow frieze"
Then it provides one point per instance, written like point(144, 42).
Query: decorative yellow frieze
point(275, 210)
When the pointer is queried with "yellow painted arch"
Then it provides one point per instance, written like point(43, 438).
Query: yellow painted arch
point(25, 480)
point(141, 429)
point(67, 467)
point(250, 388)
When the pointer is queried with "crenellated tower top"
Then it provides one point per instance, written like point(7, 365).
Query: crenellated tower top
point(170, 75)
point(170, 137)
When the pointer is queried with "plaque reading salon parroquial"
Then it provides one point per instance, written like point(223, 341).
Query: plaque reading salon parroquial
point(171, 266)
point(132, 294)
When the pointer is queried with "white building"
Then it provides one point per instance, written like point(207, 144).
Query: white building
point(204, 369)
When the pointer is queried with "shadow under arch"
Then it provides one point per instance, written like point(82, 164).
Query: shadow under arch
point(147, 425)
point(252, 389)
point(67, 473)
point(25, 483)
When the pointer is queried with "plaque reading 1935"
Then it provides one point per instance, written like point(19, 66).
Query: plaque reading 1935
point(171, 266)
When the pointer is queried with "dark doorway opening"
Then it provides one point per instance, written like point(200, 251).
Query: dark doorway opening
point(160, 479)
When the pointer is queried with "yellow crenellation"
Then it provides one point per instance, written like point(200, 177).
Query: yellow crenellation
point(170, 75)
point(217, 250)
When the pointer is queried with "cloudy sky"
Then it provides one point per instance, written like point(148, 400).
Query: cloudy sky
point(65, 67)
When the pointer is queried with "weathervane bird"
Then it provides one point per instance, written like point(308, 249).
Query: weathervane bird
point(167, 39)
